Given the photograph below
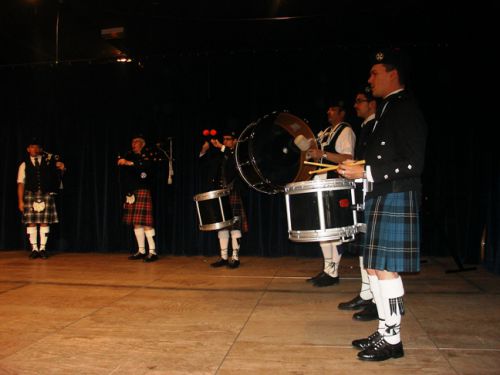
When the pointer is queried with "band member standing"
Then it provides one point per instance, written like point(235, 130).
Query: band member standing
point(136, 168)
point(365, 106)
point(336, 145)
point(38, 179)
point(394, 163)
point(221, 163)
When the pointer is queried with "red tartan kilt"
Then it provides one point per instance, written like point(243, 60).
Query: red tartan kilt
point(141, 211)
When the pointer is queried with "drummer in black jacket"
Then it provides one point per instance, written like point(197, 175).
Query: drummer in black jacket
point(394, 163)
point(221, 164)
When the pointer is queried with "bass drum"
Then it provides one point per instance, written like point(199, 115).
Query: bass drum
point(266, 155)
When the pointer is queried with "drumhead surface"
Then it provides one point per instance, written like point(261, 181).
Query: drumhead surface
point(211, 194)
point(266, 155)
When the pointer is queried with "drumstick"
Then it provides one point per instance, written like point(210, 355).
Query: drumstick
point(359, 162)
point(324, 170)
point(333, 167)
point(316, 164)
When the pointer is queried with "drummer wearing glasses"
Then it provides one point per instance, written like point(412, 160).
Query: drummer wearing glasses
point(225, 176)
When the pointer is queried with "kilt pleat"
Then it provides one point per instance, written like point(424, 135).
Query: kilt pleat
point(392, 241)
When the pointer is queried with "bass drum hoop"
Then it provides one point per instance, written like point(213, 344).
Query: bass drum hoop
point(294, 126)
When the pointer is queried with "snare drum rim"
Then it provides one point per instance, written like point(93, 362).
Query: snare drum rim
point(319, 185)
point(217, 226)
point(211, 195)
point(341, 234)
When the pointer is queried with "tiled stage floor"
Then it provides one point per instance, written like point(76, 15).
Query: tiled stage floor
point(89, 313)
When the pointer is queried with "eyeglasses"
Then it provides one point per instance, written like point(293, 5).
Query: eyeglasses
point(359, 101)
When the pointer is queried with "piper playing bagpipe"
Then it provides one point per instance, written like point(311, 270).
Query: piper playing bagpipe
point(38, 180)
point(137, 172)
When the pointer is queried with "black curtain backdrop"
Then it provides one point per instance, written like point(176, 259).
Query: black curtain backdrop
point(87, 113)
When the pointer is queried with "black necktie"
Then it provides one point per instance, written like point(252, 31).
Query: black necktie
point(37, 163)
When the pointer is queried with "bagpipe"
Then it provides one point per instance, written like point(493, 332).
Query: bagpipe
point(53, 159)
point(155, 154)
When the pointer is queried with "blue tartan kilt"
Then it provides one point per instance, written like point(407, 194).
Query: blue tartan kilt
point(39, 208)
point(392, 240)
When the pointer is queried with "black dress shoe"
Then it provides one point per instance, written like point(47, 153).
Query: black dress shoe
point(34, 254)
point(315, 277)
point(367, 314)
point(382, 350)
point(233, 263)
point(326, 280)
point(136, 256)
point(151, 258)
point(369, 341)
point(356, 303)
point(219, 263)
point(43, 254)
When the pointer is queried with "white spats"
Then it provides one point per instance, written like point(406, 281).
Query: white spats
point(140, 237)
point(375, 287)
point(44, 235)
point(150, 233)
point(392, 292)
point(235, 242)
point(223, 243)
point(32, 235)
point(366, 292)
point(331, 258)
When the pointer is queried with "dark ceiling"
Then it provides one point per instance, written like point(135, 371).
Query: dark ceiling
point(31, 31)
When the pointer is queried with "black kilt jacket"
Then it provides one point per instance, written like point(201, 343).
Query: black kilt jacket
point(395, 150)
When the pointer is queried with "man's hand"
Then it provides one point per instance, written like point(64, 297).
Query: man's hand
point(215, 142)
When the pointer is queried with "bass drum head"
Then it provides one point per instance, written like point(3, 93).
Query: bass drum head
point(266, 155)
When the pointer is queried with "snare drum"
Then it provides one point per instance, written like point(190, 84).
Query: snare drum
point(214, 210)
point(321, 210)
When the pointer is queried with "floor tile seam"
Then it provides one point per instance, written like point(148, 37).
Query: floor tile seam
point(252, 310)
point(266, 288)
point(16, 287)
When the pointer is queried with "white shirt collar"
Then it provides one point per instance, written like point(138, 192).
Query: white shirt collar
point(369, 118)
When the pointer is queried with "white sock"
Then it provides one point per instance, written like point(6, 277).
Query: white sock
point(327, 250)
point(366, 292)
point(336, 259)
point(235, 236)
point(223, 242)
point(392, 292)
point(139, 236)
point(32, 232)
point(44, 235)
point(151, 242)
point(375, 287)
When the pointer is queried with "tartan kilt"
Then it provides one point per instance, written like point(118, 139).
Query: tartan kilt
point(49, 213)
point(392, 239)
point(238, 211)
point(141, 211)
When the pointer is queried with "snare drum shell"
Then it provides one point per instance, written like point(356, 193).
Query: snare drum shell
point(321, 210)
point(214, 210)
